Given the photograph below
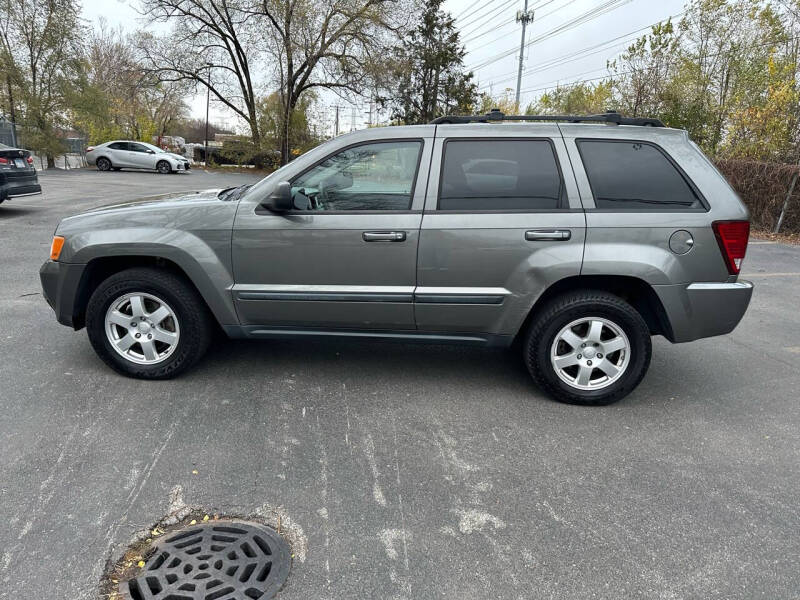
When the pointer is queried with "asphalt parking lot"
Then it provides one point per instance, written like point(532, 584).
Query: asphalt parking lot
point(401, 471)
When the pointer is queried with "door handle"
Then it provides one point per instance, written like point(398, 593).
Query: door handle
point(384, 236)
point(548, 235)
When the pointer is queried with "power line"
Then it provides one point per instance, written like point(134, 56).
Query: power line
point(486, 18)
point(466, 10)
point(475, 37)
point(486, 5)
point(581, 19)
point(628, 72)
point(583, 52)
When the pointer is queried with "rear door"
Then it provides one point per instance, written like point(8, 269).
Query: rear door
point(503, 221)
point(117, 153)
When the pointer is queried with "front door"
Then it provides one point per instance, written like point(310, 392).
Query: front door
point(141, 156)
point(345, 257)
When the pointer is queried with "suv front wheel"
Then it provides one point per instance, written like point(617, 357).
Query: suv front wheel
point(148, 323)
point(588, 347)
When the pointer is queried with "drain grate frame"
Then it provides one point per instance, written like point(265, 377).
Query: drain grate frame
point(217, 560)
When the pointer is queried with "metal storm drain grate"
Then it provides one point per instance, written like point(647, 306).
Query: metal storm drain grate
point(222, 560)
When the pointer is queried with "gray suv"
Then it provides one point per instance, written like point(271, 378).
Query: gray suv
point(577, 238)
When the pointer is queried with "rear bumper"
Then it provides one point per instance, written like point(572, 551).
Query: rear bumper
point(60, 286)
point(701, 310)
point(20, 186)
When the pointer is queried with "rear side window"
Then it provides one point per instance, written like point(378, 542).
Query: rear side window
point(635, 175)
point(118, 146)
point(499, 175)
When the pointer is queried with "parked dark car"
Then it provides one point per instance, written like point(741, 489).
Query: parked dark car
point(17, 174)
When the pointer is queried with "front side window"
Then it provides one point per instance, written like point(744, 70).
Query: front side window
point(635, 175)
point(499, 175)
point(377, 176)
point(138, 148)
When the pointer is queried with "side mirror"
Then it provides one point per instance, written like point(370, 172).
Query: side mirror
point(280, 199)
point(151, 151)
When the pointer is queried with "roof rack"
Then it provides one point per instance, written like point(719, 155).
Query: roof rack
point(610, 116)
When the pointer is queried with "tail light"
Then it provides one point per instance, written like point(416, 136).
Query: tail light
point(89, 149)
point(30, 160)
point(732, 238)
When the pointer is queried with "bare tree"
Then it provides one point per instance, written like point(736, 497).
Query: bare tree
point(331, 44)
point(214, 44)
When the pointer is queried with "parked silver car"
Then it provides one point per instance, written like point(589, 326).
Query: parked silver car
point(123, 154)
point(579, 240)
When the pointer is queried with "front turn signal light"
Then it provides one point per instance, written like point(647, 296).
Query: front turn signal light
point(55, 247)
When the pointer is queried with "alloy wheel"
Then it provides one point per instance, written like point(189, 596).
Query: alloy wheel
point(590, 353)
point(142, 328)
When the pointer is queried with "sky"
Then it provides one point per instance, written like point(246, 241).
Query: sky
point(567, 41)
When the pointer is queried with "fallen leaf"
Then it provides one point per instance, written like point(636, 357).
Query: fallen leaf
point(194, 471)
point(206, 518)
point(141, 564)
point(193, 522)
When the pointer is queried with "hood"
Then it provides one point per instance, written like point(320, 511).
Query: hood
point(177, 156)
point(183, 198)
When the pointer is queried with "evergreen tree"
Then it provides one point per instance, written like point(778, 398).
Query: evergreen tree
point(428, 76)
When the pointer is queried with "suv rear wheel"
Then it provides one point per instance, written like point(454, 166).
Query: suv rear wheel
point(148, 323)
point(588, 347)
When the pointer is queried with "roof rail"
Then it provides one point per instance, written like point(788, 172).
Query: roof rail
point(610, 116)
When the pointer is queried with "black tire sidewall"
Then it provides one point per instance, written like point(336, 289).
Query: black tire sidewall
point(542, 335)
point(192, 321)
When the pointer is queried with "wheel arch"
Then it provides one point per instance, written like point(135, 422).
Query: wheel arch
point(637, 292)
point(100, 268)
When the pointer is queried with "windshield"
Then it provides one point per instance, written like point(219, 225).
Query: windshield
point(3, 146)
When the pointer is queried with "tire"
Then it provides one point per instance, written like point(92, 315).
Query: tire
point(103, 164)
point(188, 322)
point(594, 321)
point(163, 167)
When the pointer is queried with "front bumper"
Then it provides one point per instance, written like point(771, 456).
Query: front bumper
point(701, 310)
point(61, 284)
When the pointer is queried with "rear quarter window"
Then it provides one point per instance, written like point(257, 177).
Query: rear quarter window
point(636, 175)
point(498, 175)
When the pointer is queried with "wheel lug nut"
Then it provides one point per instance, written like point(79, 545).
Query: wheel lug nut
point(149, 336)
point(583, 345)
point(138, 335)
point(599, 356)
point(133, 323)
point(579, 356)
point(588, 362)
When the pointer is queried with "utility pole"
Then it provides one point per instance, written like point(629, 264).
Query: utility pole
point(336, 122)
point(524, 17)
point(208, 104)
